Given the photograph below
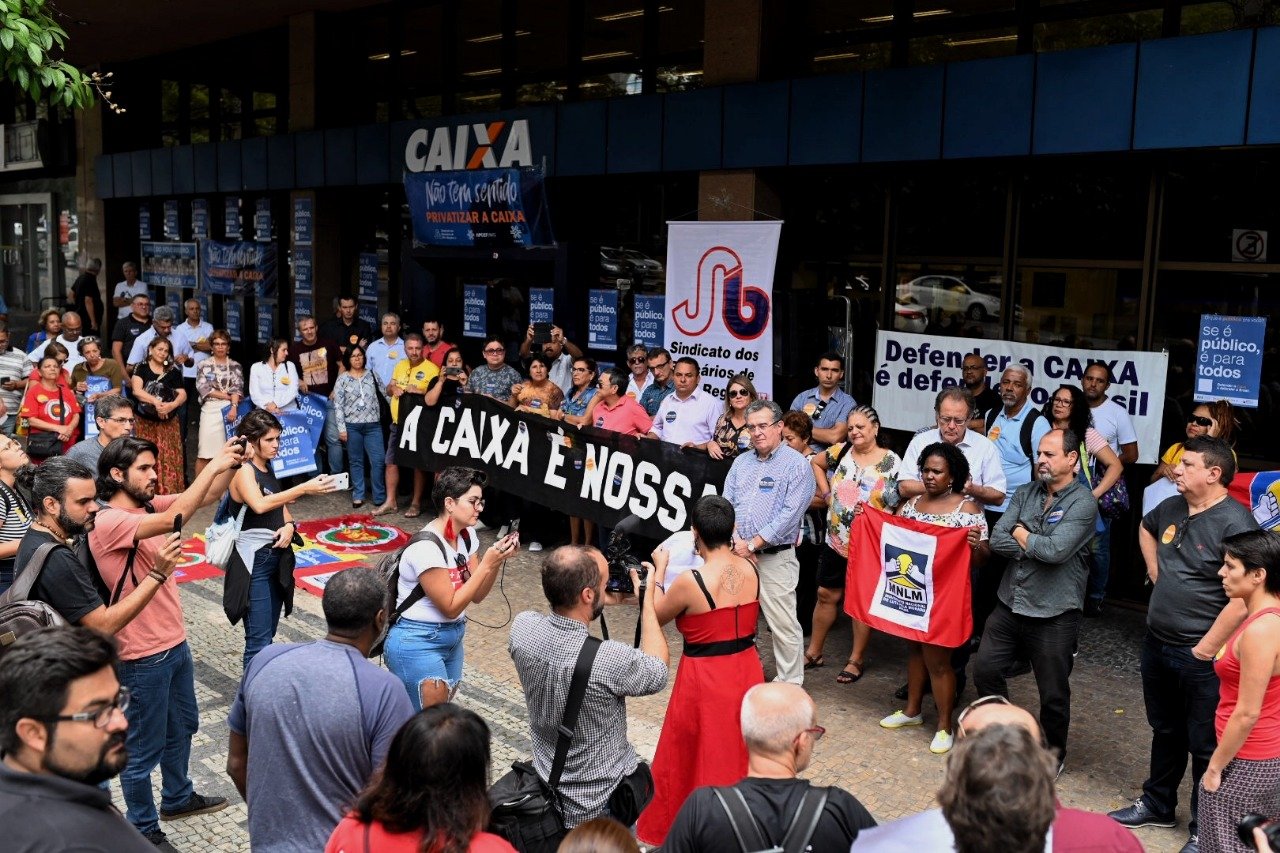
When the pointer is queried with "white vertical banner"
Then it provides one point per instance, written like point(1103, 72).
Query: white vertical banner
point(719, 306)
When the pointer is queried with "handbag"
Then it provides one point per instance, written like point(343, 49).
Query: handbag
point(21, 615)
point(220, 536)
point(162, 392)
point(1115, 500)
point(526, 810)
point(633, 793)
point(43, 444)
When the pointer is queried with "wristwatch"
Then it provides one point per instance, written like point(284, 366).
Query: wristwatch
point(751, 547)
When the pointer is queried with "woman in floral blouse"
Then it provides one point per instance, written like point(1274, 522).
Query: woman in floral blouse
point(220, 385)
point(355, 405)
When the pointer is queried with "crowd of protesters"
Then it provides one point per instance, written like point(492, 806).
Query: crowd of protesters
point(94, 478)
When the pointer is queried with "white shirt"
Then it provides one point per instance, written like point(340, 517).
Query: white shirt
point(1113, 423)
point(423, 556)
point(692, 419)
point(178, 342)
point(190, 334)
point(383, 357)
point(128, 291)
point(279, 386)
point(978, 450)
point(73, 354)
point(635, 389)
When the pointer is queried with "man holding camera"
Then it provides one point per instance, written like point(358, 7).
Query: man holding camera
point(558, 349)
point(545, 651)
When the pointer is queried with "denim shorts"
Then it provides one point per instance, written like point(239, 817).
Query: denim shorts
point(417, 651)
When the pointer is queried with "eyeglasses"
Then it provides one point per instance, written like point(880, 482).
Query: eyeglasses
point(994, 699)
point(816, 732)
point(660, 365)
point(464, 568)
point(761, 427)
point(476, 501)
point(952, 421)
point(738, 392)
point(100, 718)
point(89, 339)
point(129, 421)
point(637, 360)
point(1062, 401)
point(494, 350)
point(1199, 421)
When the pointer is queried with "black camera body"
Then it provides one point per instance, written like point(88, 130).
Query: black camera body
point(1252, 820)
point(621, 563)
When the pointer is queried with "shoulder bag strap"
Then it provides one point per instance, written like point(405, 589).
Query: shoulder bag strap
point(745, 829)
point(20, 590)
point(1029, 424)
point(573, 705)
point(127, 573)
point(805, 822)
point(417, 593)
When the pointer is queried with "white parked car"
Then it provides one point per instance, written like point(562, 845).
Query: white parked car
point(951, 295)
point(909, 315)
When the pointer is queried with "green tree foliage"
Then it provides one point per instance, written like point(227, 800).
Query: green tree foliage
point(31, 42)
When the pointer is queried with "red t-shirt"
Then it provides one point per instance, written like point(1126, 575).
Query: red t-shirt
point(160, 624)
point(626, 416)
point(349, 838)
point(436, 353)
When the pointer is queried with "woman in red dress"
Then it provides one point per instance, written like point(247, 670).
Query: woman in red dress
point(715, 607)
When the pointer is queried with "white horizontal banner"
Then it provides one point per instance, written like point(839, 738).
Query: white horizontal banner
point(911, 369)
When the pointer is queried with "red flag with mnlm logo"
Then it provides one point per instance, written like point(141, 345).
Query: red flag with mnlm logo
point(910, 578)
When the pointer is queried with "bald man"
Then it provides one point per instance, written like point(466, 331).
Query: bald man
point(780, 727)
point(1073, 830)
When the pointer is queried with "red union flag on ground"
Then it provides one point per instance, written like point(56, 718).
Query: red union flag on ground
point(909, 578)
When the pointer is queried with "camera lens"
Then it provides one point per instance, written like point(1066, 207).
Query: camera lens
point(1253, 820)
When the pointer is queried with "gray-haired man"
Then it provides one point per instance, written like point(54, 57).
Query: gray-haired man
point(770, 490)
point(162, 320)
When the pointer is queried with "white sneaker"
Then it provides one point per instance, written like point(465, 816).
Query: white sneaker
point(535, 546)
point(504, 530)
point(941, 743)
point(898, 720)
point(480, 525)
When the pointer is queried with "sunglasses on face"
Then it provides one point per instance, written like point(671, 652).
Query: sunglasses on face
point(738, 392)
point(637, 360)
point(495, 350)
point(1199, 421)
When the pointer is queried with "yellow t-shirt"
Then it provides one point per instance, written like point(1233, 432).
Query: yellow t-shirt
point(414, 379)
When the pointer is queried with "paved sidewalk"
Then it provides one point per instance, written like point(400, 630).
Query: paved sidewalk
point(892, 772)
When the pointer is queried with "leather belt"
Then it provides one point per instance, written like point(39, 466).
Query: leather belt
point(776, 549)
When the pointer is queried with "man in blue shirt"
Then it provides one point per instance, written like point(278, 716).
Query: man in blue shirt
point(770, 490)
point(827, 404)
point(386, 351)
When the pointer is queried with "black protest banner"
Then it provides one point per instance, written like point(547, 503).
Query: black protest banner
point(590, 473)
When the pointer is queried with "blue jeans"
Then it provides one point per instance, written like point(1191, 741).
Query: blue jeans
point(162, 718)
point(417, 651)
point(333, 445)
point(1181, 695)
point(1100, 571)
point(362, 439)
point(265, 604)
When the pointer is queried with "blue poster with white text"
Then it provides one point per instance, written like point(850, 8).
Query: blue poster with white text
point(542, 305)
point(650, 316)
point(478, 207)
point(475, 310)
point(1229, 359)
point(602, 319)
point(234, 269)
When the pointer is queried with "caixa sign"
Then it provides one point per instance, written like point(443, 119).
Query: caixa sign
point(498, 142)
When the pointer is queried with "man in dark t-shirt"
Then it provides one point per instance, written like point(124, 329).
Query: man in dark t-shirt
point(127, 329)
point(317, 360)
point(86, 297)
point(347, 329)
point(1188, 620)
point(771, 789)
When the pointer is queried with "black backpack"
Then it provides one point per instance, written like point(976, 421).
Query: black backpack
point(1028, 423)
point(389, 569)
point(751, 836)
point(21, 615)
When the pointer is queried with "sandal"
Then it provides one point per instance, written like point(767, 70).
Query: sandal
point(384, 509)
point(847, 676)
point(811, 662)
point(413, 512)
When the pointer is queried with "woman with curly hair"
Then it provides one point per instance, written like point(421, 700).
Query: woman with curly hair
point(432, 794)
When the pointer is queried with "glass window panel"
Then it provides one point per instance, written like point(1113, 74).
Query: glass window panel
point(421, 62)
point(1095, 308)
point(264, 101)
point(483, 100)
point(1098, 30)
point(170, 101)
point(679, 78)
point(943, 213)
point(199, 134)
point(614, 30)
point(1206, 201)
point(853, 57)
point(961, 300)
point(378, 70)
point(480, 40)
point(1087, 212)
point(545, 91)
point(1181, 297)
point(230, 103)
point(1216, 17)
point(610, 85)
point(542, 38)
point(199, 102)
point(952, 47)
point(265, 126)
point(680, 27)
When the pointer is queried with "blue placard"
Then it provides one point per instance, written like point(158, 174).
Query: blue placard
point(368, 311)
point(302, 222)
point(245, 407)
point(542, 305)
point(93, 385)
point(303, 429)
point(172, 225)
point(475, 310)
point(144, 222)
point(602, 319)
point(231, 226)
point(170, 264)
point(266, 320)
point(173, 298)
point(480, 207)
point(1229, 359)
point(368, 277)
point(649, 320)
point(203, 299)
point(262, 221)
point(234, 310)
point(199, 219)
point(233, 269)
point(303, 271)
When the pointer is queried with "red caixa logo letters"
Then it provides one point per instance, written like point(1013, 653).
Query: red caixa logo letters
point(745, 309)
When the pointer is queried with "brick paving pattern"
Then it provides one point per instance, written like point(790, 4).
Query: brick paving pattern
point(891, 772)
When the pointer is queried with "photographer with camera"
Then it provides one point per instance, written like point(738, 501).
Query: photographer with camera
point(602, 774)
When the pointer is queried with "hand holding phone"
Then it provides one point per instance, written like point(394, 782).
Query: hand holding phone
point(341, 482)
point(177, 524)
